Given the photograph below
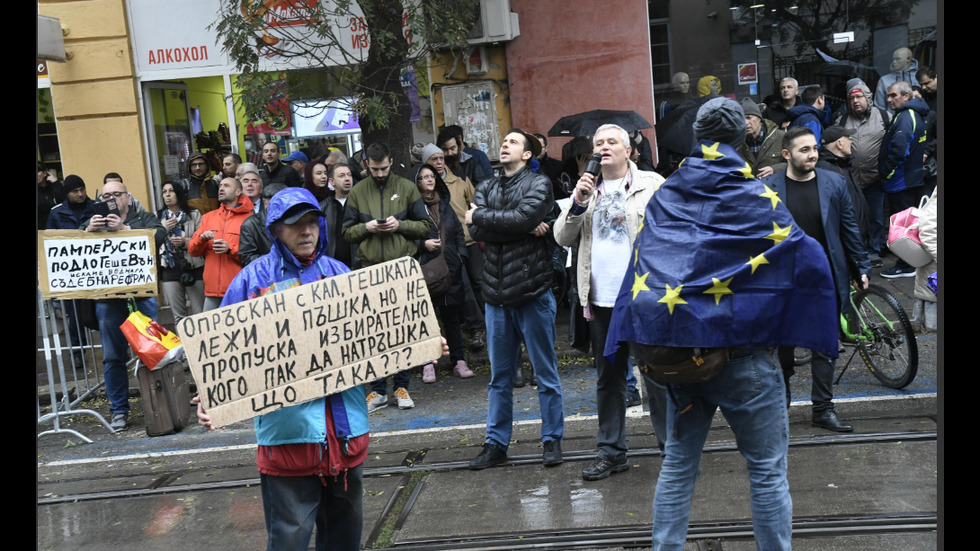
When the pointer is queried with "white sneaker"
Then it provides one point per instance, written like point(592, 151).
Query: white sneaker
point(403, 399)
point(429, 373)
point(376, 401)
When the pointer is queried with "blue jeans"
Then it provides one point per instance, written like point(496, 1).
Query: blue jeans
point(751, 394)
point(115, 347)
point(506, 326)
point(630, 377)
point(401, 380)
point(657, 396)
point(294, 504)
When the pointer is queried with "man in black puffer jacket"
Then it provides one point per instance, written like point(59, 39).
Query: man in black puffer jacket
point(509, 215)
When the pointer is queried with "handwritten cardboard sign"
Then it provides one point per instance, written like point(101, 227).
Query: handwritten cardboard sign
point(303, 343)
point(76, 264)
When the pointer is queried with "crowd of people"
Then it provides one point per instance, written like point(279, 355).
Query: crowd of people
point(658, 262)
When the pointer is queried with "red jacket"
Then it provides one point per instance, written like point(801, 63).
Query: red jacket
point(225, 223)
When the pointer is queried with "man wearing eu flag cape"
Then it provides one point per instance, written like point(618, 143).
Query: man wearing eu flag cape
point(719, 262)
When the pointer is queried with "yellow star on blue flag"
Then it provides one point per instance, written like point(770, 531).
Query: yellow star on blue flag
point(746, 171)
point(640, 284)
point(756, 261)
point(672, 297)
point(707, 220)
point(710, 152)
point(771, 195)
point(720, 288)
point(778, 234)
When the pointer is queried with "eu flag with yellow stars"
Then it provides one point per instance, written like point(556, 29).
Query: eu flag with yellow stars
point(719, 262)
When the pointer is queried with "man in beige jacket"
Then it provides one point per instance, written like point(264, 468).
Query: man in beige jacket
point(603, 219)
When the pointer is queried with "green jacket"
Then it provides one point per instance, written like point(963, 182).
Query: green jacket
point(771, 152)
point(367, 201)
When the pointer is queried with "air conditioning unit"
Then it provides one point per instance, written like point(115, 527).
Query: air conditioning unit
point(495, 23)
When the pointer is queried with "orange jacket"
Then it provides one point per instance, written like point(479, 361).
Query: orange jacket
point(225, 223)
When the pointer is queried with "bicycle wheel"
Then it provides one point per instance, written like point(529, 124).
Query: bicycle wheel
point(886, 339)
point(802, 356)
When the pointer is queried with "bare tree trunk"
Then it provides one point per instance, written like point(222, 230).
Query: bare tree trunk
point(381, 78)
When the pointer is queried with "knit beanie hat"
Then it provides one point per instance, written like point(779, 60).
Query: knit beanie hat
point(72, 183)
point(751, 108)
point(428, 151)
point(722, 120)
point(858, 84)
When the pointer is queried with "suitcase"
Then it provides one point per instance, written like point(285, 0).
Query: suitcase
point(166, 398)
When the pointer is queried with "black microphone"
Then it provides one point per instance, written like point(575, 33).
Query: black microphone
point(594, 166)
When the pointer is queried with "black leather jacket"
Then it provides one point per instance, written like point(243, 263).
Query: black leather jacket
point(517, 265)
point(254, 241)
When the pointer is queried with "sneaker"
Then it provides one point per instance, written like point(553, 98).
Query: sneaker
point(898, 271)
point(489, 457)
point(602, 468)
point(552, 454)
point(428, 374)
point(462, 370)
point(633, 398)
point(376, 401)
point(403, 399)
point(120, 421)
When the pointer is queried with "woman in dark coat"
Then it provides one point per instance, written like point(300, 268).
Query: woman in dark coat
point(182, 274)
point(446, 238)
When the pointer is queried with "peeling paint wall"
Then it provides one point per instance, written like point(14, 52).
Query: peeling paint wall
point(480, 103)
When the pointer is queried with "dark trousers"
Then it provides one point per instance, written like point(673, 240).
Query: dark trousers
point(822, 370)
point(76, 333)
point(294, 504)
point(473, 309)
point(449, 316)
point(610, 389)
point(401, 379)
point(611, 394)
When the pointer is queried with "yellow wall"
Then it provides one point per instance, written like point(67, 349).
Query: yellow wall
point(240, 119)
point(94, 94)
point(497, 65)
point(208, 94)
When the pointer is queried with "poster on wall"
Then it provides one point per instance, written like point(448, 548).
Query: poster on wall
point(277, 123)
point(325, 117)
point(175, 159)
point(409, 81)
point(748, 73)
point(472, 106)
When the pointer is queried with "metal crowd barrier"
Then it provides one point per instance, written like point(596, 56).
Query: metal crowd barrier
point(73, 373)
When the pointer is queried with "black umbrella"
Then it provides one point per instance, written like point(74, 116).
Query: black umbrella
point(585, 124)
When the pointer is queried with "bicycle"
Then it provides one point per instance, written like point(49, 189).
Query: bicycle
point(882, 334)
